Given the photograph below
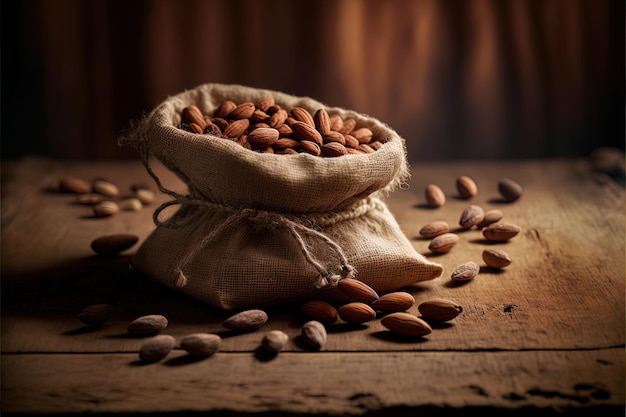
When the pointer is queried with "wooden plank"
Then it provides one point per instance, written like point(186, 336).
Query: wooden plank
point(568, 264)
point(400, 383)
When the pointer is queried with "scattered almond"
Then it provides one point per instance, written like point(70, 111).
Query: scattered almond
point(466, 272)
point(434, 228)
point(466, 186)
point(156, 348)
point(439, 309)
point(274, 341)
point(356, 312)
point(394, 301)
point(106, 208)
point(146, 196)
point(496, 258)
point(491, 216)
point(434, 195)
point(357, 290)
point(509, 189)
point(471, 216)
point(96, 315)
point(320, 311)
point(148, 325)
point(74, 185)
point(246, 320)
point(406, 324)
point(314, 334)
point(201, 345)
point(105, 188)
point(130, 204)
point(443, 243)
point(499, 232)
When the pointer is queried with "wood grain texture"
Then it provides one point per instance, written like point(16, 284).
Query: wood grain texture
point(547, 332)
point(321, 383)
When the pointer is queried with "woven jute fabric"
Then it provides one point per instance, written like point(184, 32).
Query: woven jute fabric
point(258, 229)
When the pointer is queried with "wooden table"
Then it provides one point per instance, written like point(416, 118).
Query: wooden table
point(544, 335)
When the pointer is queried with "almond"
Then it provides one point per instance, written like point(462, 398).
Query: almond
point(357, 290)
point(259, 116)
point(145, 195)
point(333, 149)
point(314, 334)
point(466, 186)
point(242, 111)
point(336, 122)
point(113, 244)
point(443, 243)
point(466, 272)
point(348, 126)
point(278, 118)
point(406, 324)
point(263, 137)
point(74, 185)
point(302, 115)
point(356, 312)
point(246, 320)
point(284, 143)
point(439, 309)
point(96, 315)
point(499, 232)
point(224, 109)
point(105, 188)
point(496, 258)
point(366, 148)
point(434, 229)
point(509, 189)
point(321, 120)
point(491, 216)
point(130, 204)
point(274, 341)
point(156, 348)
point(363, 134)
point(106, 208)
point(320, 311)
point(201, 345)
point(333, 136)
point(471, 216)
point(304, 131)
point(434, 195)
point(192, 114)
point(237, 128)
point(147, 325)
point(90, 199)
point(212, 129)
point(285, 130)
point(351, 141)
point(394, 301)
point(265, 103)
point(310, 147)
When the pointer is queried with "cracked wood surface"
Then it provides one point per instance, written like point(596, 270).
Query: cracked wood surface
point(547, 332)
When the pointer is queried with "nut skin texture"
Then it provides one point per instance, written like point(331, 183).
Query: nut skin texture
point(246, 320)
point(466, 272)
point(439, 309)
point(320, 311)
point(496, 258)
point(471, 216)
point(394, 302)
point(113, 244)
point(406, 324)
point(263, 137)
point(443, 243)
point(434, 229)
point(356, 313)
point(314, 334)
point(434, 196)
point(357, 290)
point(466, 186)
point(97, 314)
point(156, 348)
point(149, 325)
point(509, 189)
point(491, 217)
point(274, 341)
point(500, 232)
point(106, 209)
point(201, 345)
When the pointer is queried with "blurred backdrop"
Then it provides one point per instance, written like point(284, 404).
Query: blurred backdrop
point(458, 79)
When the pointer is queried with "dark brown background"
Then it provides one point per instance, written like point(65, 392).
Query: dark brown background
point(458, 79)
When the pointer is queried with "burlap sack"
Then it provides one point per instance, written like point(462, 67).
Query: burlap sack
point(260, 229)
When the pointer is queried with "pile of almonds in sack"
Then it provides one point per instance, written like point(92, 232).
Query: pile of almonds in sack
point(265, 126)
